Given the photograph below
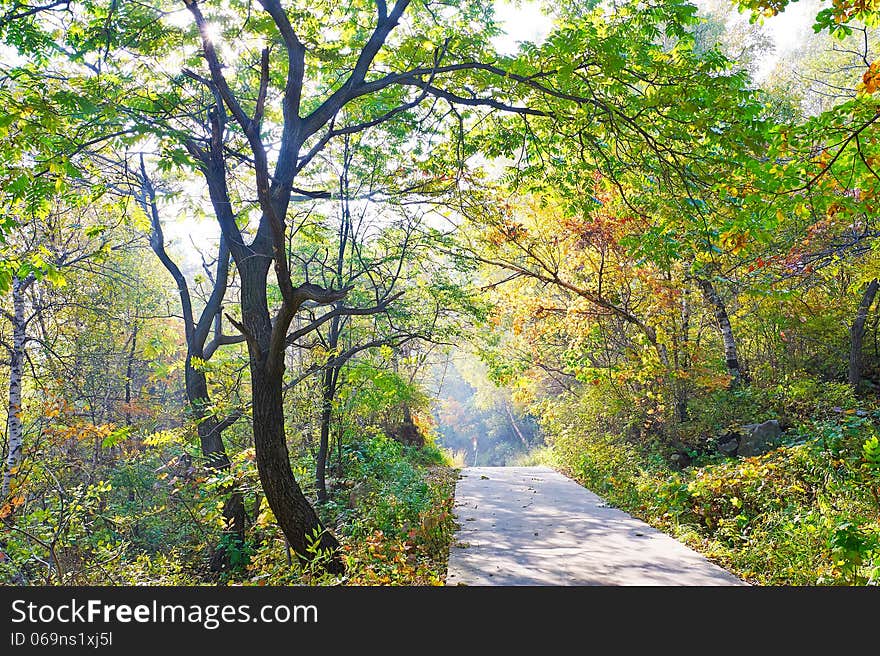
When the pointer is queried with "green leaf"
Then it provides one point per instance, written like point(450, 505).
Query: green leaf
point(116, 437)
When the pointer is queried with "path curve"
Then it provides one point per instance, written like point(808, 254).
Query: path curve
point(534, 526)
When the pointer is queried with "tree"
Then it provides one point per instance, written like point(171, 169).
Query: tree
point(382, 252)
point(731, 352)
point(642, 135)
point(38, 252)
point(199, 351)
point(307, 125)
point(857, 333)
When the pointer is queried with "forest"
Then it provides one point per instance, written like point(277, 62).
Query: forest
point(272, 272)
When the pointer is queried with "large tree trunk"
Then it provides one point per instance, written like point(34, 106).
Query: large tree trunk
point(13, 420)
point(731, 355)
point(292, 510)
point(857, 333)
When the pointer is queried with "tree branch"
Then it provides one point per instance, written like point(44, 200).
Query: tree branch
point(345, 356)
point(221, 340)
point(339, 312)
point(337, 100)
point(147, 200)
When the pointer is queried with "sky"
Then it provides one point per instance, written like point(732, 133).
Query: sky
point(526, 22)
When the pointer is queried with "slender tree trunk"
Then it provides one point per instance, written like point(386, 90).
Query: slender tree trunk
point(857, 333)
point(683, 361)
point(213, 449)
point(681, 403)
point(328, 390)
point(129, 372)
point(328, 393)
point(339, 467)
point(731, 355)
point(328, 385)
point(13, 420)
point(516, 429)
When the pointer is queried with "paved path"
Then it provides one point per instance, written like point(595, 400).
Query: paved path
point(534, 526)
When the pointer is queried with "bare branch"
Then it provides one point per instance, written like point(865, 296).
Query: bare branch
point(349, 90)
point(147, 200)
point(339, 312)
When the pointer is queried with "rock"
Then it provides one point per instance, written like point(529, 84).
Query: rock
point(357, 492)
point(728, 444)
point(759, 438)
point(405, 432)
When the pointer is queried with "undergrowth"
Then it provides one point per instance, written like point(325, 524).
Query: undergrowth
point(806, 513)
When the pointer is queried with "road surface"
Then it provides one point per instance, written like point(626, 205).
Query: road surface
point(534, 526)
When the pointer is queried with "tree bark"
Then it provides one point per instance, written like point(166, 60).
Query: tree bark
point(210, 432)
point(208, 427)
point(13, 420)
point(328, 391)
point(339, 466)
point(516, 429)
point(731, 354)
point(682, 361)
point(857, 333)
point(129, 371)
point(293, 512)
